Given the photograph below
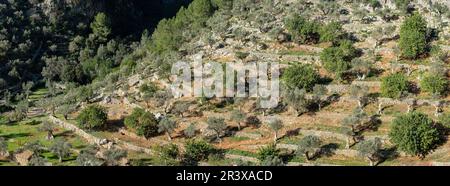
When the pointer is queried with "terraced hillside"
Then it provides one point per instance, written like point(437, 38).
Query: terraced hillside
point(365, 67)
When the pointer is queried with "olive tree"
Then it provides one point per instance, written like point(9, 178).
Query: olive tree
point(61, 148)
point(217, 125)
point(3, 147)
point(319, 91)
point(296, 98)
point(47, 127)
point(66, 109)
point(309, 146)
point(370, 149)
point(444, 119)
point(147, 92)
point(275, 124)
point(238, 116)
point(190, 131)
point(167, 125)
point(113, 156)
point(87, 157)
point(350, 125)
point(361, 68)
point(360, 93)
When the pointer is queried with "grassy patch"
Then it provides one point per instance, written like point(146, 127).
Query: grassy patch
point(241, 153)
point(27, 131)
point(296, 52)
point(238, 138)
point(38, 94)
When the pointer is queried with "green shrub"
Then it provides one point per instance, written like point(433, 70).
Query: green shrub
point(198, 150)
point(303, 30)
point(144, 123)
point(337, 59)
point(332, 32)
point(394, 85)
point(268, 152)
point(301, 77)
point(434, 84)
point(414, 133)
point(169, 152)
point(413, 36)
point(444, 119)
point(92, 117)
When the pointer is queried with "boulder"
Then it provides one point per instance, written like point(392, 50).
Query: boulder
point(134, 80)
point(23, 157)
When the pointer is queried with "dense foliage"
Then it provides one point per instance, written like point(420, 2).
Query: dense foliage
point(198, 150)
point(434, 84)
point(92, 117)
point(144, 123)
point(301, 77)
point(394, 85)
point(71, 41)
point(414, 134)
point(413, 36)
point(337, 59)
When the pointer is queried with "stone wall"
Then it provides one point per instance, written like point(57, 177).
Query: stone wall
point(95, 140)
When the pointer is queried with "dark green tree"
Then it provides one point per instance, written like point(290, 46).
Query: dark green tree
point(92, 117)
point(413, 36)
point(301, 77)
point(268, 152)
point(303, 30)
point(144, 123)
point(434, 84)
point(101, 27)
point(197, 150)
point(415, 134)
point(394, 85)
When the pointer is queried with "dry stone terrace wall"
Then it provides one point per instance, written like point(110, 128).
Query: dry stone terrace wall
point(343, 152)
point(95, 140)
point(88, 137)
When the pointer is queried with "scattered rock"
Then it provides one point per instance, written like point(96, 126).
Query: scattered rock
point(23, 157)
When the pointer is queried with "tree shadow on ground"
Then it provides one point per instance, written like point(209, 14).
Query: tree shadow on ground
point(114, 125)
point(327, 150)
point(287, 155)
point(33, 123)
point(66, 133)
point(372, 125)
point(15, 135)
point(388, 154)
point(290, 133)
